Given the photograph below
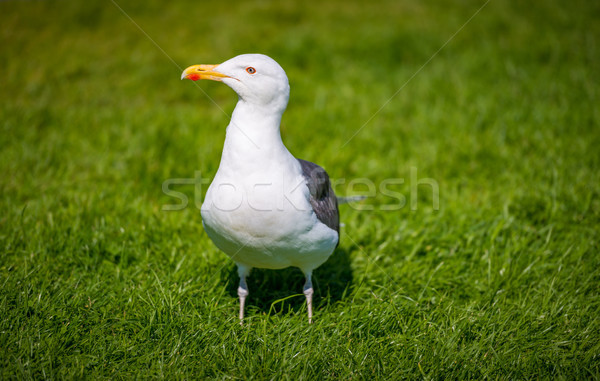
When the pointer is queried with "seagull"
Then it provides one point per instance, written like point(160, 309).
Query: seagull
point(265, 208)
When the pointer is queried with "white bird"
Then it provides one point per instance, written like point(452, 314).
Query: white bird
point(265, 208)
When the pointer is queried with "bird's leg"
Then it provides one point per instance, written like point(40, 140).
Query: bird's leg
point(242, 290)
point(242, 293)
point(308, 292)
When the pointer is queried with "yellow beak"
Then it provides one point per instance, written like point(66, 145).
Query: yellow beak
point(196, 72)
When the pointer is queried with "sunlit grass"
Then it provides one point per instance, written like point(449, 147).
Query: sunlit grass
point(501, 282)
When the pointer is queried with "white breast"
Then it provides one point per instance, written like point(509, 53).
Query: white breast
point(263, 218)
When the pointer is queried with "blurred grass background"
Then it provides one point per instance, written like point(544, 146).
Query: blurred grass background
point(500, 282)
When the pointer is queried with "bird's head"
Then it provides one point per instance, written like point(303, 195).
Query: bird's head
point(256, 78)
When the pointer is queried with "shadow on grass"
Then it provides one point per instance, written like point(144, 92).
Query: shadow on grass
point(331, 282)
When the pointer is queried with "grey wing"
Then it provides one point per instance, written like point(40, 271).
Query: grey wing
point(322, 198)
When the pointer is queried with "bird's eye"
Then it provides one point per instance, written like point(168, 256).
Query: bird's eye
point(250, 70)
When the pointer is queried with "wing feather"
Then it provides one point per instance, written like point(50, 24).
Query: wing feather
point(322, 198)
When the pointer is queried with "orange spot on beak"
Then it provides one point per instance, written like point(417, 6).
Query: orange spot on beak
point(194, 77)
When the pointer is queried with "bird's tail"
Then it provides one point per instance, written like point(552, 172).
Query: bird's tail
point(346, 200)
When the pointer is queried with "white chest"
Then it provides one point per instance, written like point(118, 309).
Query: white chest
point(266, 221)
point(257, 209)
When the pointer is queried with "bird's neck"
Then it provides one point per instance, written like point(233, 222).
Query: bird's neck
point(253, 136)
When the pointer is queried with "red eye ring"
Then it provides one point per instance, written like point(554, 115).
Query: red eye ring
point(250, 70)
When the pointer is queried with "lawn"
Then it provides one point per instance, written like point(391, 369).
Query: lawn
point(494, 275)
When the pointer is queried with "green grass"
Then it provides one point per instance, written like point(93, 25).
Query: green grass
point(97, 281)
